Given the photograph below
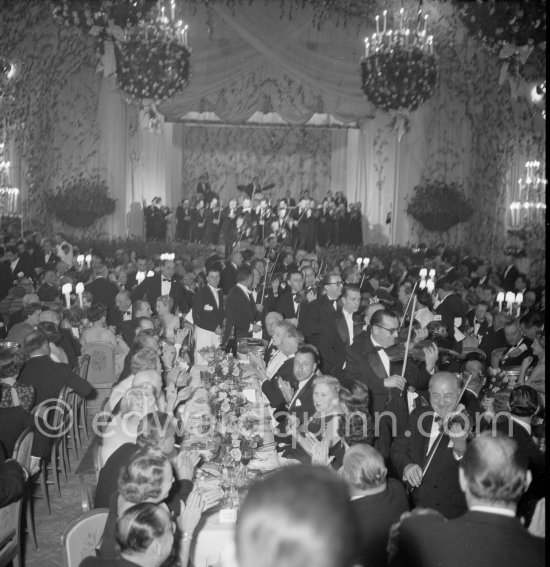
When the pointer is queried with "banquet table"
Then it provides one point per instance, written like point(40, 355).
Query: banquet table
point(215, 533)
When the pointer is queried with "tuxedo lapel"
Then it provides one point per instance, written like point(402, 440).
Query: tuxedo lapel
point(343, 329)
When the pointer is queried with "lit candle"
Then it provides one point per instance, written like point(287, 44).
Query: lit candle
point(401, 12)
point(80, 260)
point(366, 47)
point(140, 276)
point(88, 259)
point(407, 32)
point(366, 262)
point(510, 300)
point(384, 14)
point(359, 261)
point(423, 273)
point(66, 291)
point(173, 8)
point(425, 23)
point(185, 35)
point(162, 14)
point(422, 284)
point(519, 301)
point(377, 27)
point(79, 291)
point(430, 285)
point(500, 299)
point(432, 273)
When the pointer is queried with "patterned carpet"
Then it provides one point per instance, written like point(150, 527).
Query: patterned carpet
point(49, 527)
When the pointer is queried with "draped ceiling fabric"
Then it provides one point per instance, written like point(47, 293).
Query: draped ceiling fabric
point(258, 60)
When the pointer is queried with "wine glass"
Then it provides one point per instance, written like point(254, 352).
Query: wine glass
point(246, 456)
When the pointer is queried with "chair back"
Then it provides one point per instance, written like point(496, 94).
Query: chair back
point(81, 537)
point(101, 366)
point(22, 449)
point(10, 535)
point(84, 366)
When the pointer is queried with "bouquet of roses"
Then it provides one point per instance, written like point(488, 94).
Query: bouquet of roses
point(240, 432)
point(225, 398)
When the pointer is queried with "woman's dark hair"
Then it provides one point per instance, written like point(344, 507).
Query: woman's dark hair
point(50, 331)
point(140, 525)
point(96, 312)
point(524, 401)
point(357, 425)
point(11, 361)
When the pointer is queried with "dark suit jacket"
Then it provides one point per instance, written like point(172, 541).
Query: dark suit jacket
point(51, 264)
point(491, 341)
point(104, 292)
point(318, 324)
point(507, 281)
point(483, 327)
point(24, 265)
point(150, 288)
point(12, 423)
point(450, 308)
point(228, 278)
point(476, 538)
point(439, 489)
point(343, 330)
point(208, 319)
point(240, 312)
point(285, 305)
point(12, 481)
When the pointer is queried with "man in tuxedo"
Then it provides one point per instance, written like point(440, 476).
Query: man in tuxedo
point(163, 283)
point(49, 289)
point(17, 264)
point(241, 311)
point(103, 291)
point(509, 274)
point(318, 325)
point(49, 258)
point(122, 311)
point(347, 328)
point(392, 396)
point(208, 313)
point(289, 303)
point(493, 475)
point(271, 319)
point(494, 337)
point(436, 487)
point(451, 311)
point(519, 346)
point(477, 320)
point(229, 273)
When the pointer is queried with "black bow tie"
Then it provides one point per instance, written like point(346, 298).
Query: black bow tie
point(378, 348)
point(166, 280)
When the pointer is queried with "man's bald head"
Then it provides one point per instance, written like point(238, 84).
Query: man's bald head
point(270, 319)
point(444, 392)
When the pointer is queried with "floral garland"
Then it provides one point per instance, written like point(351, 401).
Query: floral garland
point(150, 63)
point(399, 79)
point(438, 205)
point(501, 23)
point(81, 201)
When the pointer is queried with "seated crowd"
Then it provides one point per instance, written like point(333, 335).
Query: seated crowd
point(389, 394)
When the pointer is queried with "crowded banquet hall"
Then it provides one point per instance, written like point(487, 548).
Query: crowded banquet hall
point(272, 283)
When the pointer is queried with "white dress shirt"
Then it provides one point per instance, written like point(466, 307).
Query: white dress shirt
point(216, 295)
point(165, 286)
point(348, 317)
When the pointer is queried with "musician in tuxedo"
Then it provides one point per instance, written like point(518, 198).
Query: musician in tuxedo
point(348, 329)
point(318, 325)
point(17, 264)
point(519, 346)
point(229, 273)
point(208, 313)
point(493, 475)
point(212, 222)
point(163, 283)
point(183, 218)
point(49, 289)
point(228, 222)
point(204, 191)
point(198, 220)
point(241, 311)
point(451, 311)
point(155, 219)
point(289, 302)
point(437, 486)
point(392, 396)
point(121, 313)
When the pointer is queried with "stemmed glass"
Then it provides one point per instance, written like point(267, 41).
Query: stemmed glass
point(246, 456)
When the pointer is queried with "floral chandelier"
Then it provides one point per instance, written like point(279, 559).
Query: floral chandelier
point(399, 69)
point(143, 45)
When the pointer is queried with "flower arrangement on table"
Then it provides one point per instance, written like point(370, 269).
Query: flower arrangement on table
point(399, 69)
point(81, 200)
point(438, 205)
point(240, 433)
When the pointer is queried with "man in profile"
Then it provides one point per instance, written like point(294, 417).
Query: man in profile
point(493, 475)
point(298, 516)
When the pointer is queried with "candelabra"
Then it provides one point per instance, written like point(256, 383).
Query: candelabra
point(398, 68)
point(531, 204)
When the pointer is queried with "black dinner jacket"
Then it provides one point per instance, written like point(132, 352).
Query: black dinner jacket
point(150, 288)
point(318, 324)
point(440, 489)
point(476, 538)
point(483, 327)
point(343, 329)
point(507, 281)
point(240, 312)
point(103, 291)
point(228, 278)
point(51, 264)
point(285, 305)
point(23, 266)
point(208, 319)
point(452, 306)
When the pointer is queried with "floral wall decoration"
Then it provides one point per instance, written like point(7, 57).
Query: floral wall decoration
point(439, 206)
point(291, 158)
point(81, 201)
